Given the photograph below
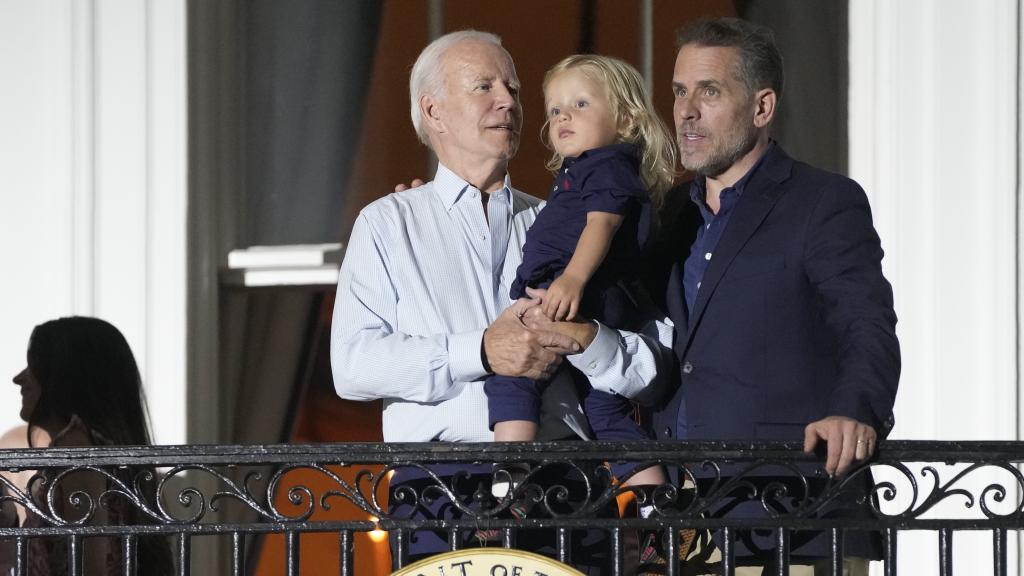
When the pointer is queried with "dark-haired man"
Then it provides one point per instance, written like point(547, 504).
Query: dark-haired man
point(785, 327)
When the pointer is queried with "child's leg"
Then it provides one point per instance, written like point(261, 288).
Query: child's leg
point(611, 415)
point(611, 418)
point(653, 476)
point(515, 431)
point(513, 406)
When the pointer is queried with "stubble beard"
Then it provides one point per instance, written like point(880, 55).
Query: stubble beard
point(727, 151)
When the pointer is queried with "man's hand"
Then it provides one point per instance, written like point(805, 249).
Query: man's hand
point(512, 349)
point(416, 183)
point(848, 441)
point(581, 330)
point(562, 300)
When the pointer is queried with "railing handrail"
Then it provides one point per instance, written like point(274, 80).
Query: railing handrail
point(427, 452)
point(178, 491)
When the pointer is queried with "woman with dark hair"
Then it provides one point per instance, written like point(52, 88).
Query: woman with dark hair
point(81, 388)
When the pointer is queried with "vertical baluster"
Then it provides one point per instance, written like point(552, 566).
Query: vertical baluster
point(890, 551)
point(508, 537)
point(401, 548)
point(129, 555)
point(346, 547)
point(672, 552)
point(562, 544)
point(184, 554)
point(292, 551)
point(237, 554)
point(728, 553)
point(454, 538)
point(946, 552)
point(74, 555)
point(782, 552)
point(999, 551)
point(838, 552)
point(617, 559)
point(21, 556)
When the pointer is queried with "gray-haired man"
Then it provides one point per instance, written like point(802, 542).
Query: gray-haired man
point(422, 311)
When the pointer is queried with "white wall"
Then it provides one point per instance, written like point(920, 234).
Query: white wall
point(93, 189)
point(93, 183)
point(933, 115)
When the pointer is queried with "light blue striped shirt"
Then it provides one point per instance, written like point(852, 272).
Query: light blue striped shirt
point(424, 274)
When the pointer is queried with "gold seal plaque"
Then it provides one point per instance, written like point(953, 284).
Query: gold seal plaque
point(488, 562)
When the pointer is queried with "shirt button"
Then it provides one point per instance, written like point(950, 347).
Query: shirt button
point(667, 432)
point(687, 368)
point(592, 365)
point(707, 256)
point(483, 237)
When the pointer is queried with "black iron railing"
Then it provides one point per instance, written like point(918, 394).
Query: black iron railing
point(234, 492)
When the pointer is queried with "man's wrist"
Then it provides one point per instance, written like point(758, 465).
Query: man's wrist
point(483, 354)
point(464, 357)
point(584, 333)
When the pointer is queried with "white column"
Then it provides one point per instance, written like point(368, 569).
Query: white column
point(933, 115)
point(93, 183)
point(166, 218)
point(120, 169)
point(36, 178)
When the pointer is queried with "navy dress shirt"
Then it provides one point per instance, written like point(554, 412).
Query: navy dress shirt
point(703, 248)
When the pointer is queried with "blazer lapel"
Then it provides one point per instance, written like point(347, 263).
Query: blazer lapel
point(759, 197)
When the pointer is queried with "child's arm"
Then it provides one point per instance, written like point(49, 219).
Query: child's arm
point(563, 298)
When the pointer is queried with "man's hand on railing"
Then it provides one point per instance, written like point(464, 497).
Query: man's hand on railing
point(848, 441)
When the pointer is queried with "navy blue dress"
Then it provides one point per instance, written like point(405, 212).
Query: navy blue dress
point(605, 179)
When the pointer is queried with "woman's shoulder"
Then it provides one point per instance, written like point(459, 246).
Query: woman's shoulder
point(15, 438)
point(75, 433)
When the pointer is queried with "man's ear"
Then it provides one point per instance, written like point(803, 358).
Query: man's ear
point(431, 113)
point(764, 101)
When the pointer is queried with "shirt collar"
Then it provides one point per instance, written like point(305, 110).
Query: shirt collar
point(598, 153)
point(698, 190)
point(450, 187)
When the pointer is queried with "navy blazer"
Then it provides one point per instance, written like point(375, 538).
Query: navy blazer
point(794, 320)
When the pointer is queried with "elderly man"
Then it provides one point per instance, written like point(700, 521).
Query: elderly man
point(785, 327)
point(420, 318)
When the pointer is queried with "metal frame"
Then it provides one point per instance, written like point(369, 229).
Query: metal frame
point(923, 476)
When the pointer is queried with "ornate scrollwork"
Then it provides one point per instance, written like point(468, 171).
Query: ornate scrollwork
point(920, 501)
point(13, 494)
point(558, 485)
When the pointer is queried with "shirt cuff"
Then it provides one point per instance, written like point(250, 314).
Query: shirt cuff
point(596, 359)
point(464, 362)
